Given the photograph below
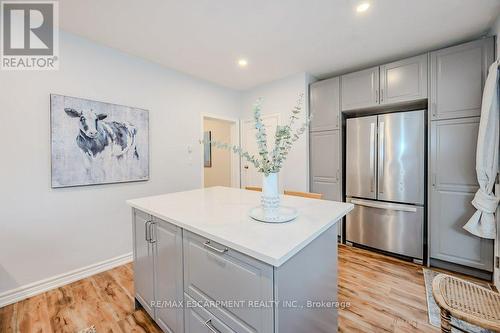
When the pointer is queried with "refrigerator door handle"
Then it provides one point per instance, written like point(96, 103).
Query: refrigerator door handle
point(381, 157)
point(384, 205)
point(372, 156)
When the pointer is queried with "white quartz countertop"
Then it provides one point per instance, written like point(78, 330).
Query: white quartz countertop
point(221, 215)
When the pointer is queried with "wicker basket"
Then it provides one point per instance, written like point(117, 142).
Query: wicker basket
point(466, 301)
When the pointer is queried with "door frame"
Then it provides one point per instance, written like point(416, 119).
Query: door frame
point(496, 255)
point(242, 136)
point(235, 140)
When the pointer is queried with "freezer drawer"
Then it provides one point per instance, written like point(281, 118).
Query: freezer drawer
point(386, 226)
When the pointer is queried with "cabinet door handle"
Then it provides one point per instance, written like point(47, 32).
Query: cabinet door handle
point(211, 247)
point(146, 231)
point(381, 95)
point(376, 95)
point(152, 233)
point(211, 327)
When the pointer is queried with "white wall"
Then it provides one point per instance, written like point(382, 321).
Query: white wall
point(280, 97)
point(44, 231)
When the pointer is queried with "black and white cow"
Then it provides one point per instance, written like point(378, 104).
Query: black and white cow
point(96, 135)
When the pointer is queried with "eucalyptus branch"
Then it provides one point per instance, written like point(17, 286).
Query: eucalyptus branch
point(235, 149)
point(284, 139)
point(261, 135)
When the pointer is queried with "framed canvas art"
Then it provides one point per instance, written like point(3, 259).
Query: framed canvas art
point(97, 143)
point(207, 149)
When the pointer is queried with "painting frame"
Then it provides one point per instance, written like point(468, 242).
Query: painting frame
point(207, 149)
point(147, 169)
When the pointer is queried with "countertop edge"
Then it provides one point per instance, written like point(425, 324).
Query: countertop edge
point(249, 252)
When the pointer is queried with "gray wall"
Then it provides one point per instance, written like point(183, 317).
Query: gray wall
point(46, 232)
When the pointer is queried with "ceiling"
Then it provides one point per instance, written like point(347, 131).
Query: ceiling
point(205, 38)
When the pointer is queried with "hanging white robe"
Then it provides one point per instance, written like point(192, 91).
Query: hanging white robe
point(483, 223)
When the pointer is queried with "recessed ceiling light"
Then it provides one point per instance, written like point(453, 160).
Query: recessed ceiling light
point(363, 7)
point(242, 62)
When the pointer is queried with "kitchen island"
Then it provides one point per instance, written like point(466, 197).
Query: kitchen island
point(201, 264)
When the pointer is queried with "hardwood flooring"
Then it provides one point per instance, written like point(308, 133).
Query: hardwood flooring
point(385, 295)
point(104, 300)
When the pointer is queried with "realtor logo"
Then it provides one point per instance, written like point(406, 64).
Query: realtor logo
point(29, 34)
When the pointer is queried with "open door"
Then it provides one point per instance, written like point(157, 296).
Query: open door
point(220, 167)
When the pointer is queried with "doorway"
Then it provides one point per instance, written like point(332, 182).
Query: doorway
point(220, 167)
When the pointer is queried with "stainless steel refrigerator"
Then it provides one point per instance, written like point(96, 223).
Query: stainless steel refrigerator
point(385, 163)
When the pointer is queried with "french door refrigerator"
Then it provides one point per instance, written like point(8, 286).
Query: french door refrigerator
point(385, 162)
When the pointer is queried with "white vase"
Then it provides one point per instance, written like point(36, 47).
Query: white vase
point(270, 199)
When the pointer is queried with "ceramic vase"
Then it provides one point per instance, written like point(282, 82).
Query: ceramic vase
point(270, 199)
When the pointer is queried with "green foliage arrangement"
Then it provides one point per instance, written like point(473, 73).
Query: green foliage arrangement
point(268, 162)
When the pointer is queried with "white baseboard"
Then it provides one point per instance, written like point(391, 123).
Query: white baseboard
point(32, 289)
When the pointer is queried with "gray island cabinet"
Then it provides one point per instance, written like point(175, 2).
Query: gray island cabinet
point(202, 265)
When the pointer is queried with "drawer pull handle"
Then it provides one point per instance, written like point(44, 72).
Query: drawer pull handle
point(211, 327)
point(211, 247)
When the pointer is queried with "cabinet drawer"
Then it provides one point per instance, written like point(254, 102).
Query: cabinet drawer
point(199, 320)
point(212, 272)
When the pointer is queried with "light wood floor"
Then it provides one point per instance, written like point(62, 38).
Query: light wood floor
point(385, 295)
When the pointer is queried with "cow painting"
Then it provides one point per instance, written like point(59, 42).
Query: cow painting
point(96, 134)
point(97, 143)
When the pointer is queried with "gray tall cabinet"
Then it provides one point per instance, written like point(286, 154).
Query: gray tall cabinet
point(457, 76)
point(326, 140)
point(450, 81)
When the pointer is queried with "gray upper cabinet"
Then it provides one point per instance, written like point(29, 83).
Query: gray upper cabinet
point(169, 276)
point(325, 105)
point(143, 261)
point(453, 184)
point(404, 80)
point(457, 76)
point(360, 89)
point(325, 169)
